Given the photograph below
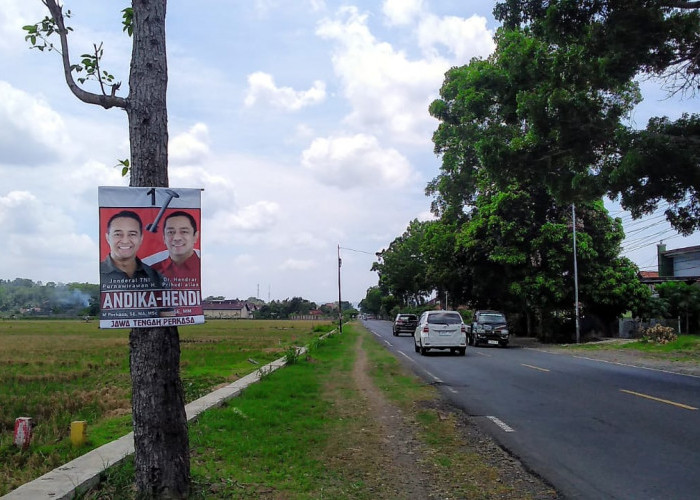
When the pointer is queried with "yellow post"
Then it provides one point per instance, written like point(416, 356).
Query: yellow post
point(78, 432)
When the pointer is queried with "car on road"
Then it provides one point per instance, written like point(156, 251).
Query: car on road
point(440, 330)
point(489, 327)
point(405, 323)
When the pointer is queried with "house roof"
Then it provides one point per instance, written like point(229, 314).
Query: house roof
point(648, 274)
point(227, 305)
point(680, 251)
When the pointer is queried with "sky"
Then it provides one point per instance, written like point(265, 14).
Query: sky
point(304, 122)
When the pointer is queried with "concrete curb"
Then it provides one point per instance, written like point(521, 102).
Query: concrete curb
point(65, 482)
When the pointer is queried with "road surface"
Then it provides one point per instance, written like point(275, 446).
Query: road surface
point(594, 430)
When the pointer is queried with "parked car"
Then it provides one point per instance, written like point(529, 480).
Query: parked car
point(405, 323)
point(489, 327)
point(440, 330)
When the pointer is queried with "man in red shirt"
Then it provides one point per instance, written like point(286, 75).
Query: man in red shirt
point(183, 266)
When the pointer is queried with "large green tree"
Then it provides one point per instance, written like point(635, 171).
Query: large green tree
point(372, 303)
point(588, 56)
point(162, 464)
point(519, 246)
point(402, 268)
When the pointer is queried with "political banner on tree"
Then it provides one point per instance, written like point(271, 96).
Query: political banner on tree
point(150, 257)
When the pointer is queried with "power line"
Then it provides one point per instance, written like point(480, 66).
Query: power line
point(358, 251)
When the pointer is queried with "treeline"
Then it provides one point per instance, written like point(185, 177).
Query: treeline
point(24, 297)
point(298, 306)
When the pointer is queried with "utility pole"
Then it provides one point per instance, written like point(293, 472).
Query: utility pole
point(578, 329)
point(340, 308)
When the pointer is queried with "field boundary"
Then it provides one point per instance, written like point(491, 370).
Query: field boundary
point(77, 476)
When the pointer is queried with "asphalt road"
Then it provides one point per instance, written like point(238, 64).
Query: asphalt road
point(594, 430)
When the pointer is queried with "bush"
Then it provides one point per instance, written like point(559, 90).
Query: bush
point(659, 334)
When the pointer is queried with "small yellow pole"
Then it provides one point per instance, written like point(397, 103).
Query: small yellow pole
point(78, 432)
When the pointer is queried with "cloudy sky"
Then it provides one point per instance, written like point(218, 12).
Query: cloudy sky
point(305, 122)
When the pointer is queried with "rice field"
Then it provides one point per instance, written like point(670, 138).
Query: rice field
point(57, 372)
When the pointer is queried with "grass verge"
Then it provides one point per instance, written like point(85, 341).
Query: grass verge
point(686, 348)
point(306, 432)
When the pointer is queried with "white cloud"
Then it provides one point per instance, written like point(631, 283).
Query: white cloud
point(258, 217)
point(30, 131)
point(402, 11)
point(298, 265)
point(262, 89)
point(356, 161)
point(15, 14)
point(389, 93)
point(317, 5)
point(36, 230)
point(191, 147)
point(464, 38)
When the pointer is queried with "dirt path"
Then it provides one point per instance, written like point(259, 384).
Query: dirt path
point(398, 444)
point(407, 466)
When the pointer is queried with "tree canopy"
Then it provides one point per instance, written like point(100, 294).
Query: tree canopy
point(541, 125)
point(586, 59)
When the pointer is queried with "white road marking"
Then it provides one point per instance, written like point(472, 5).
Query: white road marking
point(452, 390)
point(613, 362)
point(406, 356)
point(434, 377)
point(634, 366)
point(388, 343)
point(535, 367)
point(501, 424)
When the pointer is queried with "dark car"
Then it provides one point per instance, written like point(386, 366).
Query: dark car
point(405, 323)
point(489, 327)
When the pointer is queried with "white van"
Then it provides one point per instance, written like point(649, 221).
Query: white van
point(440, 330)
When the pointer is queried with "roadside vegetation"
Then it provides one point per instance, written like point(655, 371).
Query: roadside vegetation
point(308, 431)
point(57, 372)
point(530, 148)
point(686, 348)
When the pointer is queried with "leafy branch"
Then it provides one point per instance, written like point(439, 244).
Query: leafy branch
point(39, 34)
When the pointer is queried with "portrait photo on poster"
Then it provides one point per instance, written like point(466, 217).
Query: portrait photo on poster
point(150, 257)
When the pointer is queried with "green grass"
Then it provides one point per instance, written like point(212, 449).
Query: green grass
point(304, 432)
point(60, 371)
point(269, 440)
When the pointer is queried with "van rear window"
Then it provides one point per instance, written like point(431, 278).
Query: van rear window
point(445, 318)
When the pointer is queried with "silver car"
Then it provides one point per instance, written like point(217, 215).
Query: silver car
point(440, 330)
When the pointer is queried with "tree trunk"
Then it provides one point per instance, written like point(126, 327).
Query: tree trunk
point(162, 463)
point(146, 104)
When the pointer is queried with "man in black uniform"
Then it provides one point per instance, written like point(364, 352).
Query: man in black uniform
point(122, 267)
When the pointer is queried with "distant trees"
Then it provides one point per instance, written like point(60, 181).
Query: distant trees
point(24, 296)
point(372, 303)
point(283, 309)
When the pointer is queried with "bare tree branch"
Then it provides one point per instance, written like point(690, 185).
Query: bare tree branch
point(106, 101)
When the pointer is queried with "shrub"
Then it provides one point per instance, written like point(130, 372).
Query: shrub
point(659, 334)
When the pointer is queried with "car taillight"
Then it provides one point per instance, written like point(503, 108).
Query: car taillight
point(464, 329)
point(426, 329)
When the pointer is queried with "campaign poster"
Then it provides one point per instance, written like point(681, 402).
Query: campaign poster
point(150, 257)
